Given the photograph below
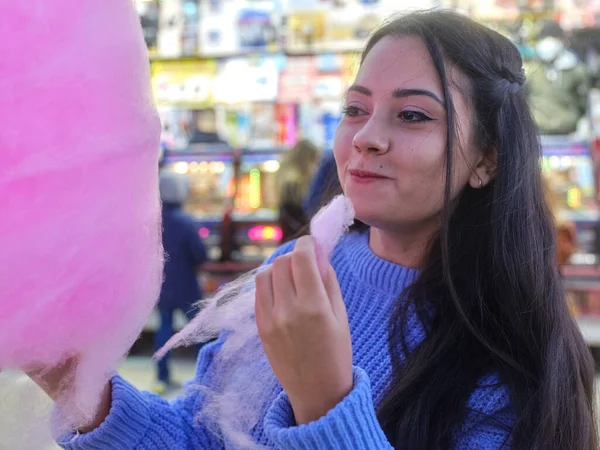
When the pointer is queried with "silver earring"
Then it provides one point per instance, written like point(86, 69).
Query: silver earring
point(480, 183)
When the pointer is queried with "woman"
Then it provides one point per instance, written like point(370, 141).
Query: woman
point(461, 337)
point(293, 179)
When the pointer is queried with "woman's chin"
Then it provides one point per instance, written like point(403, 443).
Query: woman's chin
point(377, 215)
point(367, 214)
point(370, 209)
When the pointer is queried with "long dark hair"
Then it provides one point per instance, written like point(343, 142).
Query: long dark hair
point(489, 294)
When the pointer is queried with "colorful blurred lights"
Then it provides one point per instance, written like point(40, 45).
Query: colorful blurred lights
point(565, 161)
point(574, 197)
point(554, 162)
point(271, 166)
point(203, 232)
point(255, 193)
point(265, 233)
point(216, 167)
point(181, 167)
point(269, 233)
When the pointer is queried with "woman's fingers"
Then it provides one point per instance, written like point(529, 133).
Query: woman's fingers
point(296, 287)
point(284, 287)
point(332, 287)
point(305, 332)
point(309, 284)
point(264, 298)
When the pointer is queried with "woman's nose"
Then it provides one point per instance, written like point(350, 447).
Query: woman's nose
point(372, 137)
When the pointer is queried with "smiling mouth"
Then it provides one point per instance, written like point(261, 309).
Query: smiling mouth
point(365, 175)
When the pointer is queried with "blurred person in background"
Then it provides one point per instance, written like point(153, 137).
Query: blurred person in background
point(585, 43)
point(203, 129)
point(557, 83)
point(185, 253)
point(293, 178)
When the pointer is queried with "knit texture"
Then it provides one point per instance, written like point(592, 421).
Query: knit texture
point(370, 286)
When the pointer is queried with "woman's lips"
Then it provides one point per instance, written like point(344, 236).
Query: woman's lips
point(364, 176)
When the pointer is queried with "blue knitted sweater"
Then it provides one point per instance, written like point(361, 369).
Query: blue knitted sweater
point(370, 285)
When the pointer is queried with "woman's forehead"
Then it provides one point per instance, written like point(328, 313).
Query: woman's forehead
point(399, 62)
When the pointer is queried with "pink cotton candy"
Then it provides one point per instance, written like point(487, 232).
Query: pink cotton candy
point(328, 226)
point(81, 258)
point(241, 378)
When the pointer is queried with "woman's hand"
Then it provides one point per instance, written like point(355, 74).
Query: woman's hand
point(58, 383)
point(55, 381)
point(303, 326)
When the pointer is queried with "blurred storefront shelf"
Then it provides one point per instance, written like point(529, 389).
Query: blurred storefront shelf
point(582, 287)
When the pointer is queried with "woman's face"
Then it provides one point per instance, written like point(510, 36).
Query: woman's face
point(390, 147)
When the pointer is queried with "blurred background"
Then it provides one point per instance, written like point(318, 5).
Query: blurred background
point(250, 94)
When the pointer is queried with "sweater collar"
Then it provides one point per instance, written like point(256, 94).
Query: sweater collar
point(379, 273)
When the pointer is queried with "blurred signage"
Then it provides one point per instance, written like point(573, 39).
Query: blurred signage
point(184, 82)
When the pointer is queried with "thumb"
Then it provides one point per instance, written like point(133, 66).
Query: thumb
point(334, 293)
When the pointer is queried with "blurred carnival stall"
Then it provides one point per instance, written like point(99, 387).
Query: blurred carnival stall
point(239, 82)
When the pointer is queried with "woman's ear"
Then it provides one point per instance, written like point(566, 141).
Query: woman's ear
point(485, 170)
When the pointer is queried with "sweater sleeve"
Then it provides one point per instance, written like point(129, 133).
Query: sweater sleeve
point(145, 421)
point(353, 423)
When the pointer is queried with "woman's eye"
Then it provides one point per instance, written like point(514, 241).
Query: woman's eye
point(414, 116)
point(352, 111)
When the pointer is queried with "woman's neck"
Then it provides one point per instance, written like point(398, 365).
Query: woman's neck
point(406, 248)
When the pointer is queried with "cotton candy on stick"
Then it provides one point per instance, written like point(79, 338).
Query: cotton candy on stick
point(240, 375)
point(81, 258)
point(328, 226)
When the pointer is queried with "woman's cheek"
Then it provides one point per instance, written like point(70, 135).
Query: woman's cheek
point(342, 145)
point(343, 135)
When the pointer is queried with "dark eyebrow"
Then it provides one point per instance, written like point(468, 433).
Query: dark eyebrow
point(360, 89)
point(398, 93)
